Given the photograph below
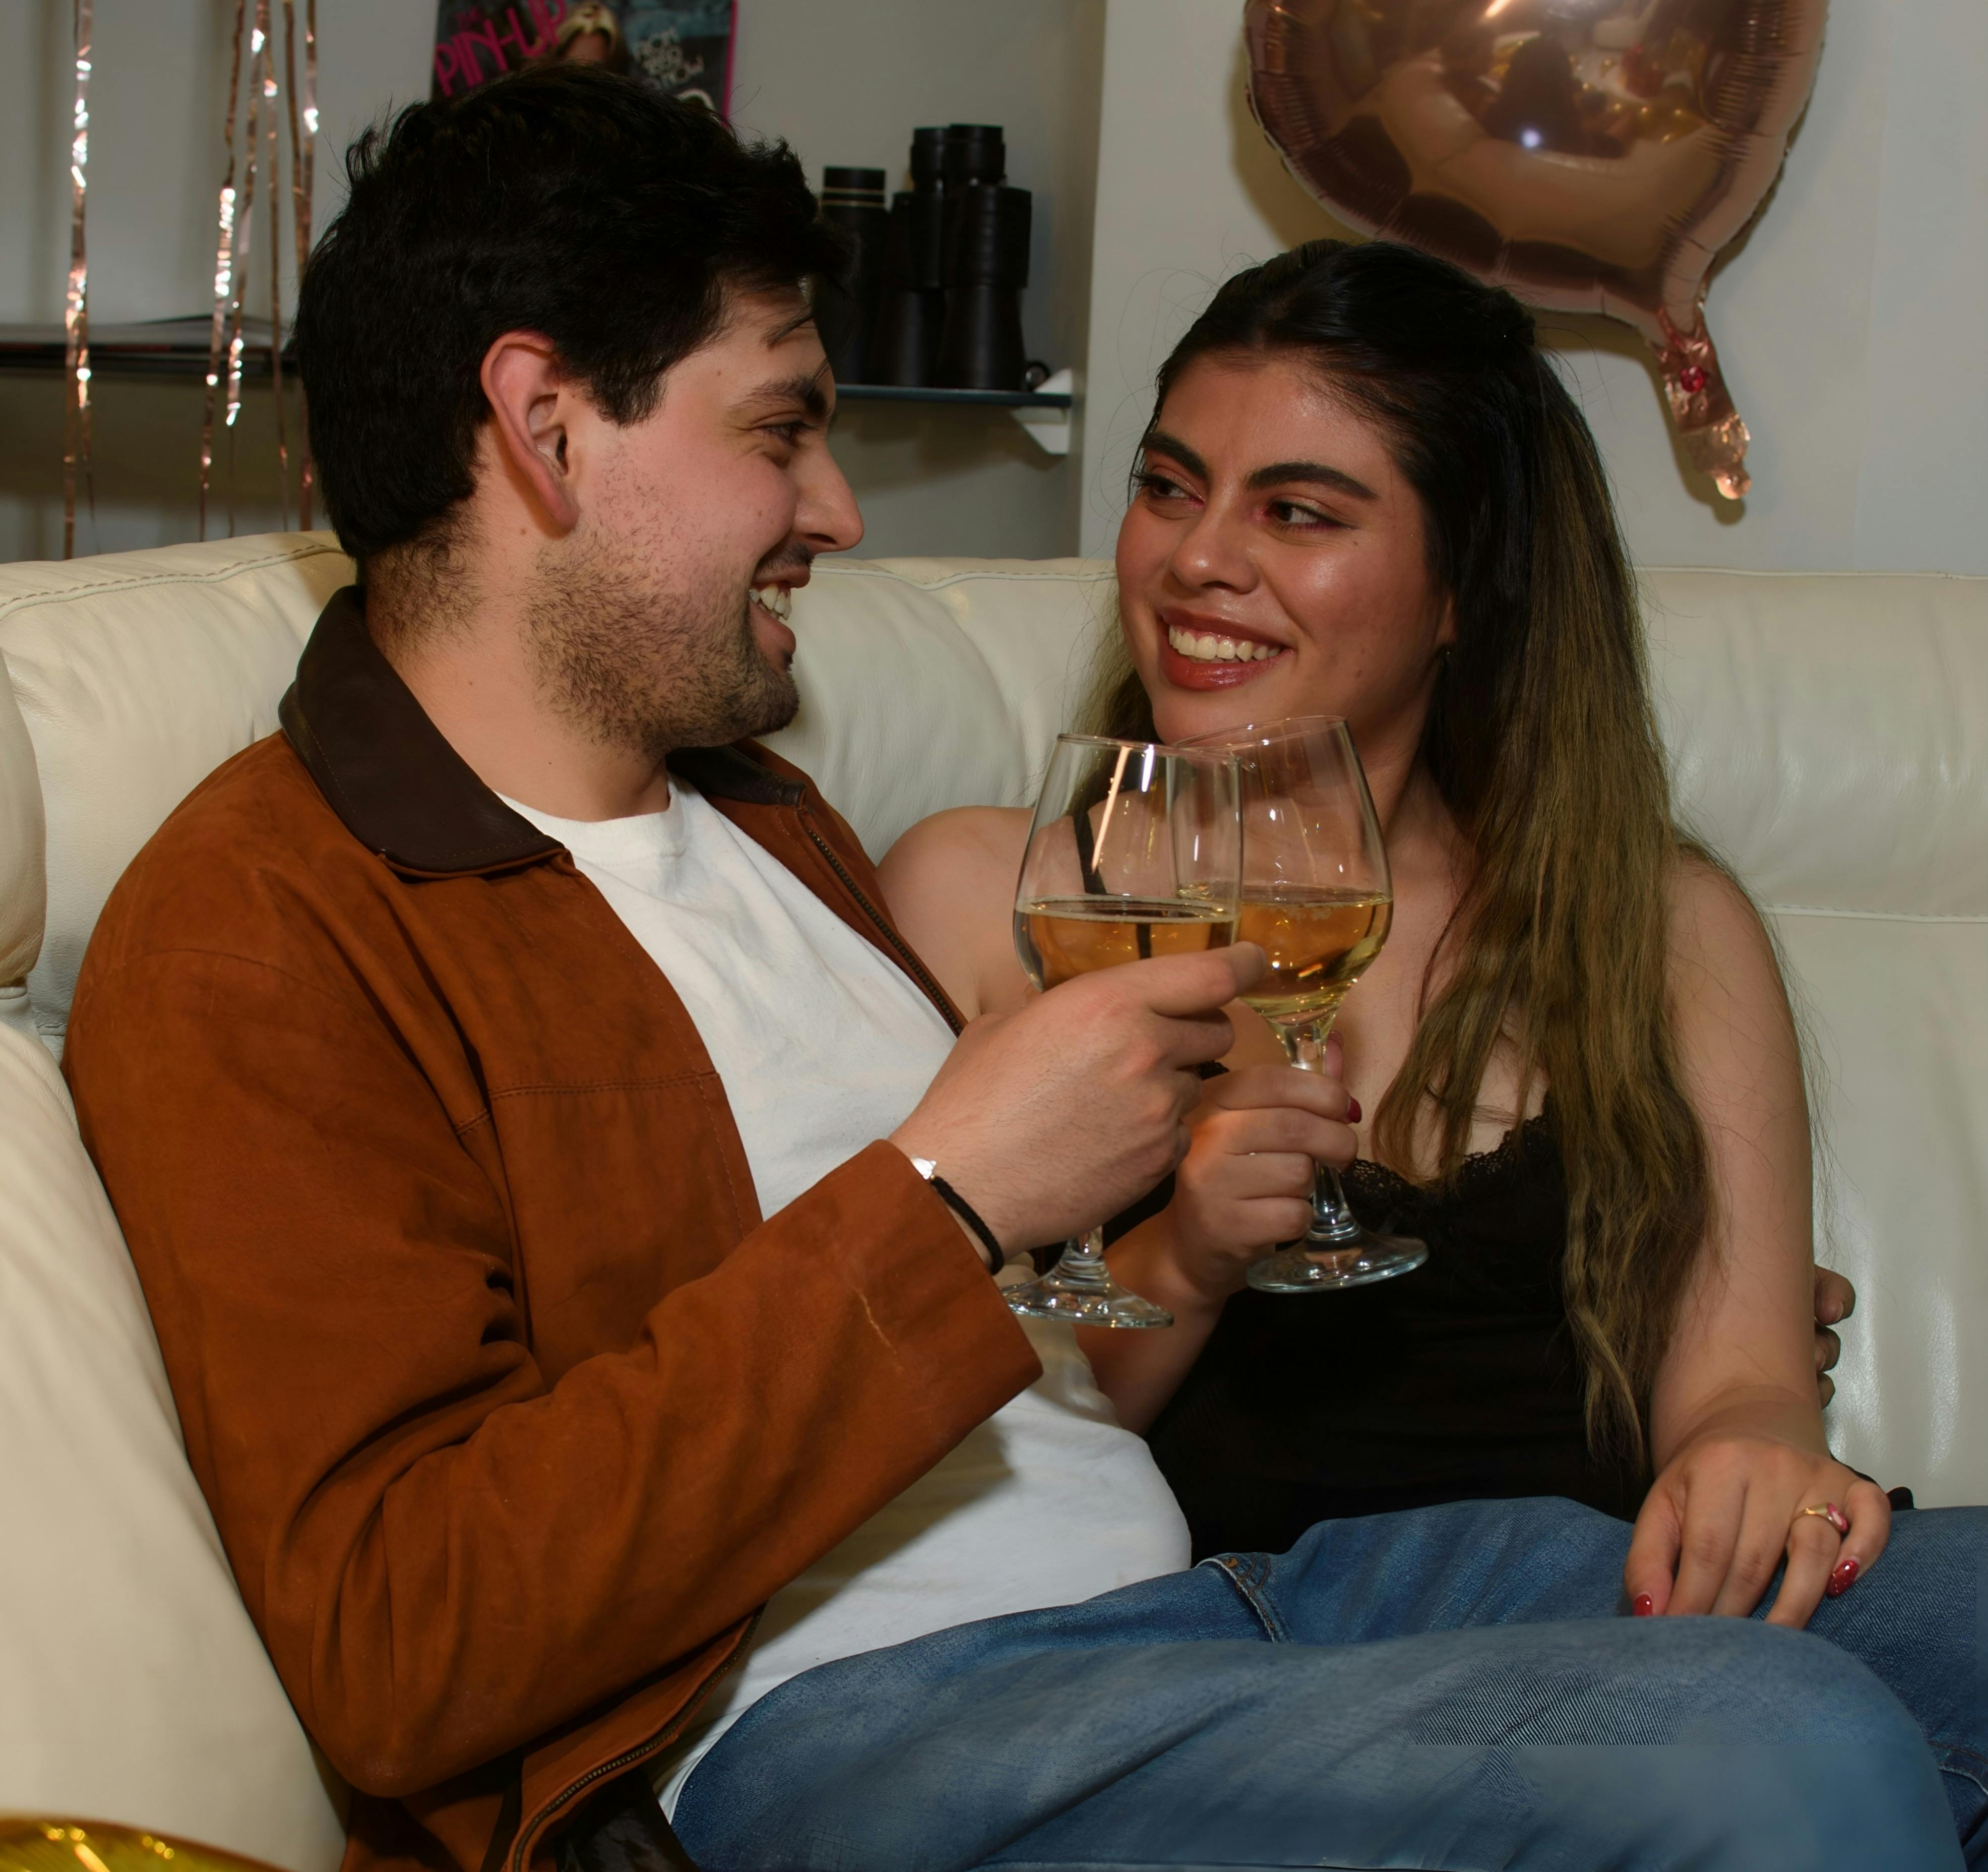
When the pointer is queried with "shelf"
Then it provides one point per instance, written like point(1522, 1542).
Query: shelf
point(177, 348)
point(1045, 414)
point(992, 399)
point(164, 347)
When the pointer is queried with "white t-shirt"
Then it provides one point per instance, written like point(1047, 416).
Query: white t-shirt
point(823, 1046)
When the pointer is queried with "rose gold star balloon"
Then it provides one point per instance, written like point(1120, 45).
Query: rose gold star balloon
point(1590, 155)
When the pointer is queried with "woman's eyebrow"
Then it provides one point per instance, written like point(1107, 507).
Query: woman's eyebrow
point(1157, 441)
point(1278, 474)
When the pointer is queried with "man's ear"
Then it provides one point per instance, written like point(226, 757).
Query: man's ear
point(530, 399)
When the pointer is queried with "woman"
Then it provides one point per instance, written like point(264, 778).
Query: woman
point(1365, 493)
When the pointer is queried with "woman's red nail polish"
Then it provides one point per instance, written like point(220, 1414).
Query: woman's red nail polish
point(1843, 1578)
point(1643, 1606)
point(1352, 1111)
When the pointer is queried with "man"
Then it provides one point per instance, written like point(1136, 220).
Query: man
point(569, 1222)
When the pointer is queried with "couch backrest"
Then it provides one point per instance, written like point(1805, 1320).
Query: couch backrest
point(138, 675)
point(925, 683)
point(1829, 736)
point(136, 1689)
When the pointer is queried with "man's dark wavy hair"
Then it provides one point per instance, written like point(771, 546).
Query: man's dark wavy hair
point(564, 201)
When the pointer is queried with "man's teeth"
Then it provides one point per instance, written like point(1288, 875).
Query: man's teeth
point(775, 598)
point(1220, 649)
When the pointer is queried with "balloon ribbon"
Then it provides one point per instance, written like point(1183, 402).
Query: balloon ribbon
point(1714, 437)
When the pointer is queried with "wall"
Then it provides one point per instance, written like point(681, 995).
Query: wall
point(1849, 322)
point(844, 80)
point(157, 158)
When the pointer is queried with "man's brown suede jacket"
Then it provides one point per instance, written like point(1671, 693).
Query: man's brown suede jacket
point(511, 1407)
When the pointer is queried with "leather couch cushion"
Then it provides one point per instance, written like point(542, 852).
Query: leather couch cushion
point(1830, 739)
point(137, 674)
point(1829, 733)
point(23, 881)
point(136, 1689)
point(927, 683)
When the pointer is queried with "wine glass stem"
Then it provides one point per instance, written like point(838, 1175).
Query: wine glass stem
point(1332, 1219)
point(1082, 1259)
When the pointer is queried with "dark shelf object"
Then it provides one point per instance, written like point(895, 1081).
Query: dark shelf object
point(900, 393)
point(164, 347)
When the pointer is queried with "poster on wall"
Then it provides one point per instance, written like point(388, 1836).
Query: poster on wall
point(682, 47)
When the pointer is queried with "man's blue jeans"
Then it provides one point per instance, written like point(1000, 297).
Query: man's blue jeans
point(1455, 1687)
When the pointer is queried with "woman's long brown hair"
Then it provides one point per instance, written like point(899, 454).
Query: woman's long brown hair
point(1544, 745)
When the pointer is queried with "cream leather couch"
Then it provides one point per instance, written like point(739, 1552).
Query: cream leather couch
point(1830, 736)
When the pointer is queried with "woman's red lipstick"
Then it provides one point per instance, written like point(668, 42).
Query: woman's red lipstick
point(1188, 673)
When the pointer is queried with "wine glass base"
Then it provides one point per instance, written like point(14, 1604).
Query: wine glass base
point(1084, 1303)
point(1318, 1265)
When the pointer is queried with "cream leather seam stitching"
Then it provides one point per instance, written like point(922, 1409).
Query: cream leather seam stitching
point(1771, 573)
point(151, 581)
point(1873, 916)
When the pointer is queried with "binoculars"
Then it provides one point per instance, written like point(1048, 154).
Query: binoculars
point(933, 293)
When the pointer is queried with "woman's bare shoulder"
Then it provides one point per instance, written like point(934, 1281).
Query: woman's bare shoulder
point(1738, 1048)
point(950, 883)
point(964, 843)
point(1718, 943)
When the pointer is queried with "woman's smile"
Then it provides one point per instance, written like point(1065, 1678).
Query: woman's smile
point(1198, 651)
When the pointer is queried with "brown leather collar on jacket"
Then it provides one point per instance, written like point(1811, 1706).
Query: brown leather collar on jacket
point(510, 1406)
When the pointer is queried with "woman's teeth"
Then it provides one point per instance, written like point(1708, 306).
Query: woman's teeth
point(776, 599)
point(1220, 649)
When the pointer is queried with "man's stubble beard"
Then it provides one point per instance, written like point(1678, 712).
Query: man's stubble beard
point(649, 667)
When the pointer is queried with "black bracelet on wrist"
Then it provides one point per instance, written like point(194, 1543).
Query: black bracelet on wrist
point(964, 1209)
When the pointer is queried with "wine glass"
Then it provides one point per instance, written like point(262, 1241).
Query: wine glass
point(1135, 851)
point(1317, 898)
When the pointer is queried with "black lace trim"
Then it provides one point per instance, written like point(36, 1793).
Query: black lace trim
point(1477, 1175)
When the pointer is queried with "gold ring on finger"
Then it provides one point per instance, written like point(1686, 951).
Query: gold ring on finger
point(1829, 1512)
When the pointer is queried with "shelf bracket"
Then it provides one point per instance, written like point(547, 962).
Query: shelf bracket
point(1050, 427)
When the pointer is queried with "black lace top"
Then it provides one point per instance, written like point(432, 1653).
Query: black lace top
point(1456, 1381)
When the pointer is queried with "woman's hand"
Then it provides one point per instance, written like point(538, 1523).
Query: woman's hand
point(1727, 1510)
point(1244, 1185)
point(1246, 1182)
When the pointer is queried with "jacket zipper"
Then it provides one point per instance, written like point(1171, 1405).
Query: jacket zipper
point(899, 947)
point(629, 1757)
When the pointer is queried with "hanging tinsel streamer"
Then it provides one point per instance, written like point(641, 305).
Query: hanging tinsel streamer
point(301, 151)
point(224, 270)
point(75, 304)
point(245, 230)
point(276, 284)
point(259, 155)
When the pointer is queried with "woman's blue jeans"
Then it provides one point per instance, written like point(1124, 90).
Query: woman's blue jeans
point(1455, 1687)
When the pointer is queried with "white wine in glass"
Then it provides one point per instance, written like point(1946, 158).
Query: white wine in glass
point(1135, 852)
point(1060, 938)
point(1319, 941)
point(1317, 897)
